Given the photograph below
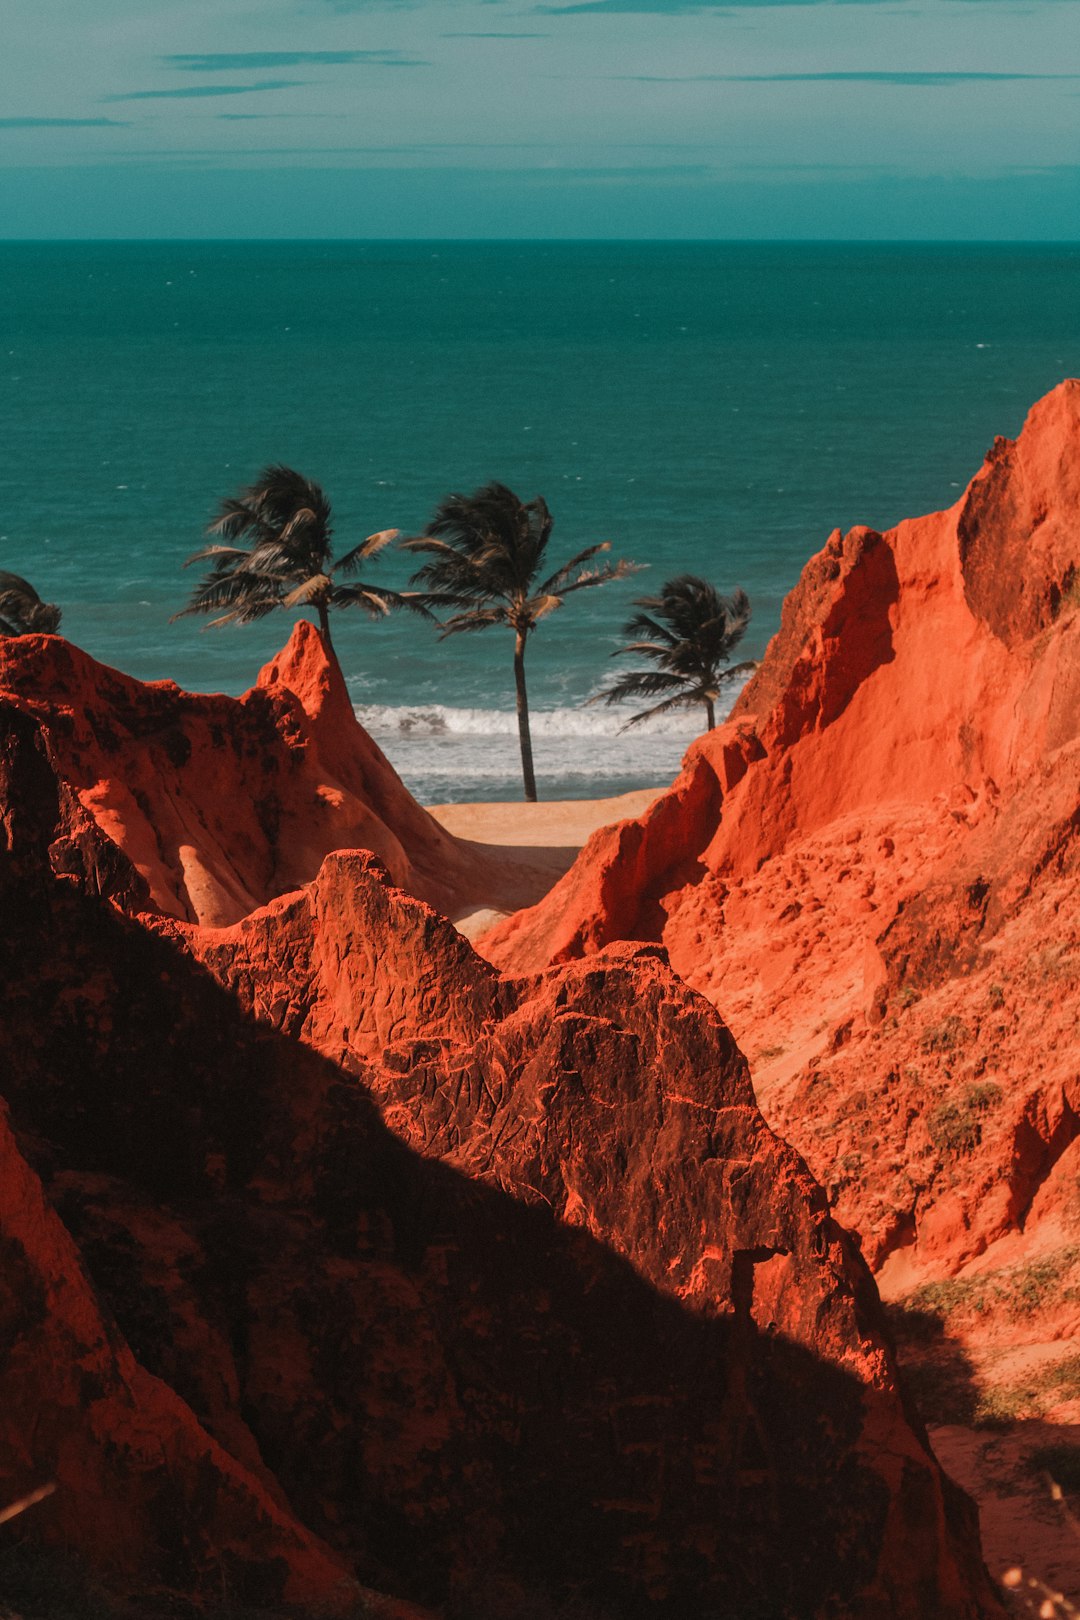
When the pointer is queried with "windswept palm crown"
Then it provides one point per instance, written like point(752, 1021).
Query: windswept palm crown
point(273, 549)
point(689, 632)
point(484, 553)
point(22, 612)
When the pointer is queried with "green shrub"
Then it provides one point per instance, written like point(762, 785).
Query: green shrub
point(945, 1036)
point(1012, 1292)
point(955, 1123)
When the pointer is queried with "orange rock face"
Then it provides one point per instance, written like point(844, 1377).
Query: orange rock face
point(222, 803)
point(331, 1256)
point(871, 869)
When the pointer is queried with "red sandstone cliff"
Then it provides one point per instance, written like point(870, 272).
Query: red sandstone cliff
point(221, 803)
point(331, 1255)
point(872, 871)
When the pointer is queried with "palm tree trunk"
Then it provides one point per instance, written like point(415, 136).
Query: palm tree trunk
point(324, 628)
point(711, 713)
point(523, 718)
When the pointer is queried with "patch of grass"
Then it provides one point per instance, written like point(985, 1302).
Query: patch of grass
point(996, 995)
point(767, 1053)
point(938, 1371)
point(947, 1390)
point(908, 996)
point(1012, 1292)
point(1031, 1397)
point(955, 1123)
point(946, 1036)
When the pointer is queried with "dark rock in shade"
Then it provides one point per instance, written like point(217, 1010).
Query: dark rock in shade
point(222, 803)
point(332, 1255)
point(871, 870)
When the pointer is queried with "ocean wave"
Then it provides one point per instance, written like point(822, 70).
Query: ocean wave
point(443, 752)
point(419, 720)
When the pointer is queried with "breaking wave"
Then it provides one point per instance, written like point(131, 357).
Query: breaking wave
point(456, 754)
point(438, 720)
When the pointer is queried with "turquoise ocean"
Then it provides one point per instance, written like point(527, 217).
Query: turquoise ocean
point(708, 408)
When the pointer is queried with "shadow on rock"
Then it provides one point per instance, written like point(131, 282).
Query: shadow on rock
point(463, 1400)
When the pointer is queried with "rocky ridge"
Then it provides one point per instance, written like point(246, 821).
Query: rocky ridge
point(870, 869)
point(337, 1264)
point(222, 803)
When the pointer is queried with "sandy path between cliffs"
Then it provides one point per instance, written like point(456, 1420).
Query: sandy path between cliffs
point(528, 847)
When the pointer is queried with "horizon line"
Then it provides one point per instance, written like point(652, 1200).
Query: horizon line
point(533, 241)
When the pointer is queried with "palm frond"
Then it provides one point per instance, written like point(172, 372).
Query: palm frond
point(235, 517)
point(558, 579)
point(442, 599)
point(643, 624)
point(475, 619)
point(25, 614)
point(308, 591)
point(491, 537)
point(376, 604)
point(600, 576)
point(357, 595)
point(280, 492)
point(231, 590)
point(23, 611)
point(747, 667)
point(642, 650)
point(431, 543)
point(538, 607)
point(446, 586)
point(43, 619)
point(218, 552)
point(689, 630)
point(244, 613)
point(367, 548)
point(286, 520)
point(641, 683)
point(683, 700)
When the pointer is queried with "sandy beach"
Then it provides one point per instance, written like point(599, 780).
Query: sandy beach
point(530, 845)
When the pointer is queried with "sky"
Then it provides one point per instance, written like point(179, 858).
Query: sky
point(877, 119)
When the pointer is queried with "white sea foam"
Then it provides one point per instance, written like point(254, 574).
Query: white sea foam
point(446, 753)
point(419, 720)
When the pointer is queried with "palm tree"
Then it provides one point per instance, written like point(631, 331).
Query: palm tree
point(485, 552)
point(689, 631)
point(274, 551)
point(22, 612)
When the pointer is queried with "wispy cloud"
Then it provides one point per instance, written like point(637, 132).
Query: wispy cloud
point(188, 92)
point(271, 118)
point(372, 5)
point(671, 8)
point(900, 77)
point(62, 123)
point(261, 61)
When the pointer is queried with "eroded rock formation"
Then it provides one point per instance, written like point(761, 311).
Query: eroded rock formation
point(222, 803)
point(871, 869)
point(332, 1256)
